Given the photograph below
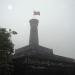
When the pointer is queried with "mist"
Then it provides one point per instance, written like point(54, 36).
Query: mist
point(56, 29)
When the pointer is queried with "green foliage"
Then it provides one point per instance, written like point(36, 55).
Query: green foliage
point(6, 45)
point(6, 50)
point(5, 41)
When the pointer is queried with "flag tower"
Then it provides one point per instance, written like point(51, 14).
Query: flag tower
point(33, 40)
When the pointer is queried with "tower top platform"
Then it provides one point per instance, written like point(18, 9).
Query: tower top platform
point(34, 21)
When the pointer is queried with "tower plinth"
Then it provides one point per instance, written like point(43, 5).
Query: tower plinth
point(33, 41)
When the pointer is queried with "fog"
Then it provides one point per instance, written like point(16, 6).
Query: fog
point(56, 27)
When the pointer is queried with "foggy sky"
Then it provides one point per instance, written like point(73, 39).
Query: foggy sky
point(56, 28)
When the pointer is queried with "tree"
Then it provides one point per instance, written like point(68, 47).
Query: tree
point(6, 47)
point(5, 40)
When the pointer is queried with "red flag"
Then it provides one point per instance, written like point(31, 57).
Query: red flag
point(36, 13)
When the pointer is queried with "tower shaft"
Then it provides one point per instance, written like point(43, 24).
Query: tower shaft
point(33, 41)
